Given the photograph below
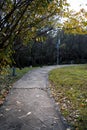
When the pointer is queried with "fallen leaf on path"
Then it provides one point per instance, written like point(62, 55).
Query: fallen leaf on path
point(28, 113)
point(24, 115)
point(18, 102)
point(8, 109)
point(37, 95)
point(1, 115)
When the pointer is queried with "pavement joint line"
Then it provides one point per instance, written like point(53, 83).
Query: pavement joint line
point(44, 89)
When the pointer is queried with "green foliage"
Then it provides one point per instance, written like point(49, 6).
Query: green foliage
point(76, 22)
point(69, 87)
point(24, 19)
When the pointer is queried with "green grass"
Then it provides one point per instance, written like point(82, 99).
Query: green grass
point(69, 88)
point(8, 80)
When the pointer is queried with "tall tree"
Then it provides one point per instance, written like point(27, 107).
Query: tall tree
point(23, 18)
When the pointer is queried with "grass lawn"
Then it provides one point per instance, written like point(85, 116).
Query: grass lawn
point(69, 88)
point(7, 81)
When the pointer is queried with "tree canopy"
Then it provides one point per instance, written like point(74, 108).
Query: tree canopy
point(27, 19)
point(24, 18)
point(76, 22)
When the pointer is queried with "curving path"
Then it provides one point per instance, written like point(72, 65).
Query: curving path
point(29, 106)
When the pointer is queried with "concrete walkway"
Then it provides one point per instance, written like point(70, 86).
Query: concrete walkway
point(28, 106)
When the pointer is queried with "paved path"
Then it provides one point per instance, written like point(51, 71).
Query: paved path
point(28, 106)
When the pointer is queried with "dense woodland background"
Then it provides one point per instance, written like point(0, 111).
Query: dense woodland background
point(72, 49)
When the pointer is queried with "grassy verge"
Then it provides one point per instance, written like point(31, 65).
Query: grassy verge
point(7, 81)
point(69, 88)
